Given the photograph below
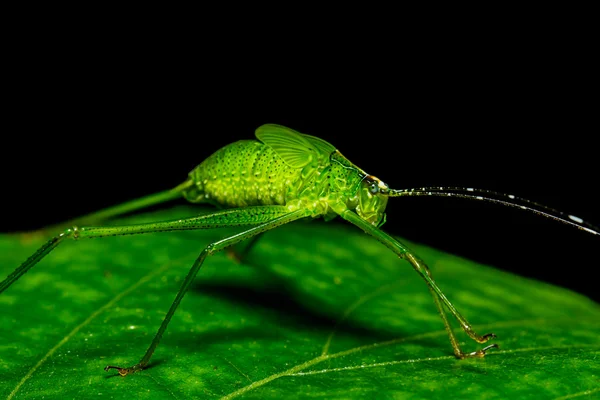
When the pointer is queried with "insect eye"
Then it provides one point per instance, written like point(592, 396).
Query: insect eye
point(374, 189)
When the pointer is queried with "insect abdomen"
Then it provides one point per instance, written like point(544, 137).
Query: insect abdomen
point(244, 173)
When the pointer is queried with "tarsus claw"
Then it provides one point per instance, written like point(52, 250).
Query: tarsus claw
point(491, 346)
point(122, 371)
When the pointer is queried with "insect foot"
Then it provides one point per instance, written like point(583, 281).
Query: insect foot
point(124, 371)
point(479, 353)
point(486, 337)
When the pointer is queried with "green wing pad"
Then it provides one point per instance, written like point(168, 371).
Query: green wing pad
point(290, 145)
point(296, 150)
point(323, 146)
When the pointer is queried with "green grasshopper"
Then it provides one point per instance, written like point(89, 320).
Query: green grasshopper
point(282, 177)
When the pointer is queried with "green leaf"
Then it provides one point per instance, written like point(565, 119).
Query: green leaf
point(316, 310)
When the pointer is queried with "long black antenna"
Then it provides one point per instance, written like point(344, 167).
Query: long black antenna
point(508, 200)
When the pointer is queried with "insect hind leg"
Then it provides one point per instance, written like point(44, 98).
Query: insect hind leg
point(125, 208)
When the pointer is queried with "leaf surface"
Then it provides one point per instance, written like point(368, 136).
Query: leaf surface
point(315, 311)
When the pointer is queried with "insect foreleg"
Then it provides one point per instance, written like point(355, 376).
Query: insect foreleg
point(210, 249)
point(403, 252)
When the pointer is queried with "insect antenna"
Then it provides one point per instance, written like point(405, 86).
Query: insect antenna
point(508, 200)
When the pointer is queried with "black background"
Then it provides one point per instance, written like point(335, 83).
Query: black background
point(93, 122)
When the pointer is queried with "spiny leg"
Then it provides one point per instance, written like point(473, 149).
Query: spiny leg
point(438, 296)
point(209, 250)
point(230, 217)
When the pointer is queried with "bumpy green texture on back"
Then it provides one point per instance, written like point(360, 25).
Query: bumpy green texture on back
point(244, 173)
point(317, 311)
point(282, 166)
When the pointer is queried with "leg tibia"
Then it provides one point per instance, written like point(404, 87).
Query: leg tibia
point(35, 258)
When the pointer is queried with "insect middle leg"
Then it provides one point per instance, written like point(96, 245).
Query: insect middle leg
point(209, 250)
point(240, 251)
point(438, 296)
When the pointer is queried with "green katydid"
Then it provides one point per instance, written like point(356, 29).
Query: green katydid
point(282, 177)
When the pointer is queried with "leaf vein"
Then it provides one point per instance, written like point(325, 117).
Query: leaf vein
point(360, 301)
point(295, 371)
point(236, 368)
point(89, 319)
point(417, 360)
point(162, 385)
point(375, 365)
point(580, 394)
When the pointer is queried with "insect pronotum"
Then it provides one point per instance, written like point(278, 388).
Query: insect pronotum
point(282, 177)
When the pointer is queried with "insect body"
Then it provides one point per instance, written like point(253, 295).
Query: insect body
point(282, 177)
point(300, 172)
